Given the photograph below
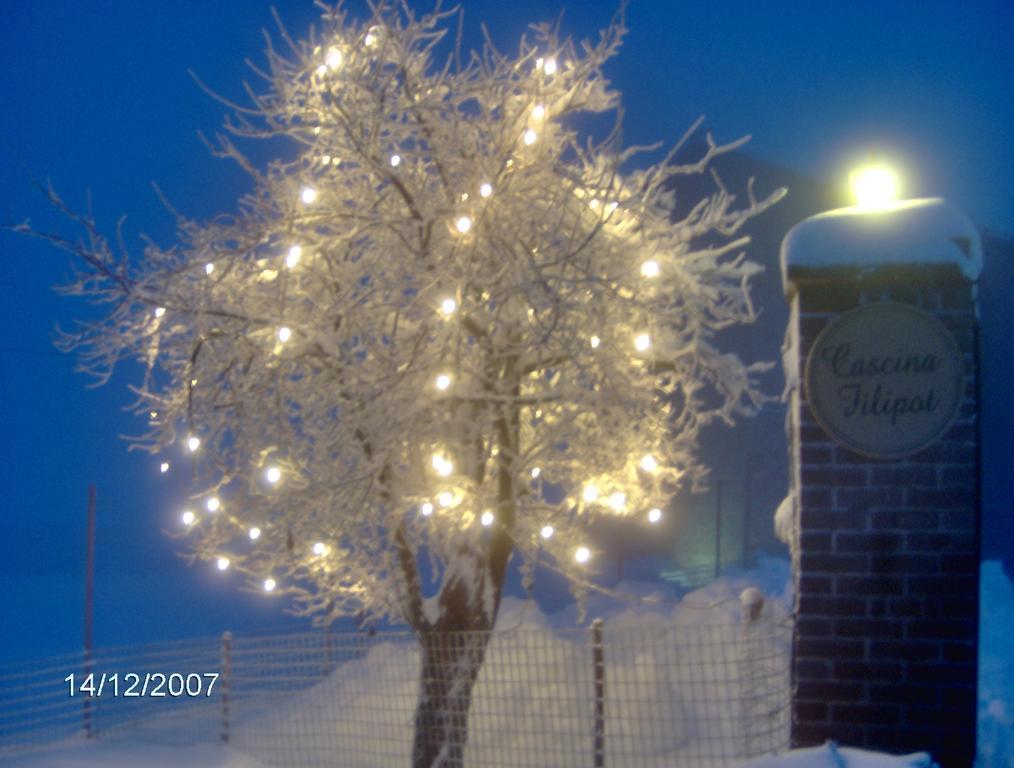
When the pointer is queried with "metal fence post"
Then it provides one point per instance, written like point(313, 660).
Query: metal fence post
point(598, 659)
point(226, 671)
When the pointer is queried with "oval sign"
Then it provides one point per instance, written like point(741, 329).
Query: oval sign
point(885, 379)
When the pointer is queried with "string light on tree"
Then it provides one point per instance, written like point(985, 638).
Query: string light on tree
point(334, 58)
point(273, 475)
point(294, 255)
point(590, 494)
point(487, 518)
point(443, 467)
point(448, 306)
point(284, 334)
point(193, 443)
point(443, 381)
point(445, 498)
point(426, 509)
point(649, 463)
point(222, 563)
point(546, 532)
point(594, 341)
point(213, 504)
point(642, 342)
point(617, 501)
point(269, 585)
point(160, 311)
point(320, 549)
point(550, 67)
point(395, 161)
point(254, 533)
point(308, 195)
point(530, 137)
point(486, 190)
point(163, 467)
point(654, 515)
point(649, 269)
point(188, 517)
point(463, 224)
point(209, 268)
point(582, 554)
point(538, 112)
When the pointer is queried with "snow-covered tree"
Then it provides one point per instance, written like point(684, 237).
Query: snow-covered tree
point(441, 331)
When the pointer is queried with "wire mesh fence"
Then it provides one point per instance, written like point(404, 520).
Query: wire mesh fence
point(647, 692)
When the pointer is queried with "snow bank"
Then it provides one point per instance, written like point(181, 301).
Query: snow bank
point(996, 669)
point(88, 754)
point(833, 756)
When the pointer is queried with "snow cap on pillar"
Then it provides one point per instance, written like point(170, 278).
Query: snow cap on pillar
point(905, 233)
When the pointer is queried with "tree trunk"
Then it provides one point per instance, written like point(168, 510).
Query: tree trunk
point(450, 666)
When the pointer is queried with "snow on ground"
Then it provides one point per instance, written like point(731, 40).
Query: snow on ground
point(369, 702)
point(98, 755)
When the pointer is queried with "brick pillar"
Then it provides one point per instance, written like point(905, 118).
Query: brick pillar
point(885, 550)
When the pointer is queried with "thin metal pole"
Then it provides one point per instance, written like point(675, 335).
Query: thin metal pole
point(226, 672)
point(718, 527)
point(598, 659)
point(89, 598)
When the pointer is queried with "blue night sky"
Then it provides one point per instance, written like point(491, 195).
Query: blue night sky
point(96, 96)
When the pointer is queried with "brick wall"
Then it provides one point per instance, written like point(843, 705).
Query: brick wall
point(887, 551)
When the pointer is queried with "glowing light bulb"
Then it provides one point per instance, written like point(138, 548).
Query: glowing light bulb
point(648, 463)
point(223, 563)
point(617, 501)
point(371, 37)
point(322, 70)
point(530, 137)
point(255, 533)
point(536, 471)
point(308, 195)
point(284, 334)
point(590, 493)
point(447, 306)
point(442, 465)
point(486, 190)
point(319, 548)
point(325, 159)
point(487, 518)
point(295, 254)
point(209, 268)
point(538, 111)
point(269, 585)
point(443, 381)
point(874, 186)
point(642, 342)
point(594, 341)
point(463, 224)
point(188, 517)
point(594, 203)
point(581, 554)
point(654, 515)
point(649, 269)
point(426, 509)
point(213, 504)
point(550, 67)
point(163, 467)
point(546, 532)
point(539, 62)
point(611, 207)
point(159, 311)
point(445, 498)
point(395, 161)
point(273, 474)
point(334, 58)
point(193, 443)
